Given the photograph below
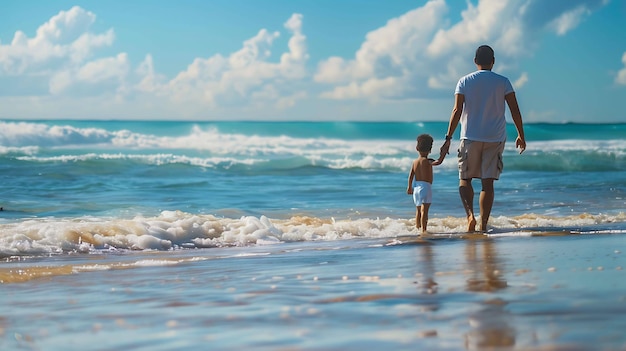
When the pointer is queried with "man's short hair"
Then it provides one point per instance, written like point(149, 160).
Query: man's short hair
point(484, 55)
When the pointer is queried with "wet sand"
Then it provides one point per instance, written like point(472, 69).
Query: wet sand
point(553, 292)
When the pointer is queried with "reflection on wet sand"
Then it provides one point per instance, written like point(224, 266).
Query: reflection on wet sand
point(484, 269)
point(427, 283)
point(490, 324)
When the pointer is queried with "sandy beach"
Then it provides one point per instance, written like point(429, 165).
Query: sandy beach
point(508, 293)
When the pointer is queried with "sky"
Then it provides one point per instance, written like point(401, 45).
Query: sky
point(306, 60)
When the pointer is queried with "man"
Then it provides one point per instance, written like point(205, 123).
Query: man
point(479, 106)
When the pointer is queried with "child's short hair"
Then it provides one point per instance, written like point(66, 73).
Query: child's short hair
point(424, 143)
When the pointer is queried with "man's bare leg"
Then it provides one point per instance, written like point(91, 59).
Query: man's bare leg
point(486, 202)
point(466, 191)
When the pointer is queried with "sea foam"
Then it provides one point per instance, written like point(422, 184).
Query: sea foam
point(180, 230)
point(212, 148)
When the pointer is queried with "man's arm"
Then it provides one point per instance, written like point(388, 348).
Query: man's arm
point(455, 117)
point(511, 100)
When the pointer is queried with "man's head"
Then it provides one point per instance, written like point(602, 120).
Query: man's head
point(484, 56)
point(424, 143)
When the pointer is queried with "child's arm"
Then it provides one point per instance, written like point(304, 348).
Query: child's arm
point(437, 162)
point(409, 188)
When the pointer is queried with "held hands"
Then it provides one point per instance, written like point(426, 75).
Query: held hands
point(443, 151)
point(520, 143)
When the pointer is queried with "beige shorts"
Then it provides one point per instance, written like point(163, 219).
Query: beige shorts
point(479, 159)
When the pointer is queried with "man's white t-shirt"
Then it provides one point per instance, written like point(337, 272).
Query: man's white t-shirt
point(483, 113)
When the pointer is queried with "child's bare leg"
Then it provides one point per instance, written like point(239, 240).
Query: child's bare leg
point(424, 222)
point(418, 217)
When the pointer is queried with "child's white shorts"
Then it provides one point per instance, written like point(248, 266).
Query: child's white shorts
point(422, 193)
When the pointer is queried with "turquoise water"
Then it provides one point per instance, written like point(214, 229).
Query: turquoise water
point(90, 186)
point(166, 235)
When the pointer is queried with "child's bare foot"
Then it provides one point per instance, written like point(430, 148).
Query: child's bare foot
point(471, 224)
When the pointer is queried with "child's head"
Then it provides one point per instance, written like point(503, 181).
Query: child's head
point(424, 144)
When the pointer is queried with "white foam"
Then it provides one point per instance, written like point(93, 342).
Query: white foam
point(156, 263)
point(27, 134)
point(175, 230)
point(219, 149)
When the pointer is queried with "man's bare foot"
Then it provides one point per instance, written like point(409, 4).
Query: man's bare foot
point(483, 228)
point(471, 224)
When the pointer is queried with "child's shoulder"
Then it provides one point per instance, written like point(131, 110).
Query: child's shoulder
point(423, 160)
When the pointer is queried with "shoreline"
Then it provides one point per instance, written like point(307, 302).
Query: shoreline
point(446, 294)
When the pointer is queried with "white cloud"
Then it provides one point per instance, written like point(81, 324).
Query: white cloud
point(65, 26)
point(83, 47)
point(478, 25)
point(533, 116)
point(393, 53)
point(521, 81)
point(621, 75)
point(423, 55)
point(254, 50)
point(60, 81)
point(109, 72)
point(60, 42)
point(62, 51)
point(149, 79)
point(569, 20)
point(415, 56)
point(297, 44)
point(104, 69)
point(373, 88)
point(420, 55)
point(246, 76)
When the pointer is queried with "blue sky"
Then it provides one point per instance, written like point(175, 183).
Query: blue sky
point(305, 60)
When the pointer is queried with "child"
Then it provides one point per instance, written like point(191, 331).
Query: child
point(420, 181)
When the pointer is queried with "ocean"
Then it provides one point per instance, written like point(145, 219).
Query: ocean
point(300, 235)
